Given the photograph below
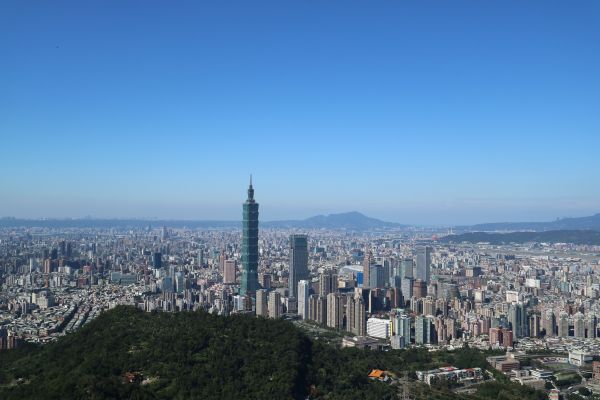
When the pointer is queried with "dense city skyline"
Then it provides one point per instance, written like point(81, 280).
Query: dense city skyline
point(427, 173)
point(458, 113)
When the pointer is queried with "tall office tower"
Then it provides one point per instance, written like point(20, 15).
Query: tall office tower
point(325, 284)
point(249, 282)
point(200, 257)
point(579, 325)
point(222, 259)
point(179, 281)
point(164, 234)
point(335, 311)
point(401, 326)
point(261, 303)
point(62, 247)
point(549, 323)
point(298, 262)
point(274, 305)
point(360, 317)
point(406, 268)
point(376, 276)
point(563, 325)
point(423, 330)
point(229, 271)
point(517, 316)
point(534, 326)
point(368, 260)
point(590, 326)
point(423, 270)
point(157, 260)
point(303, 293)
point(407, 289)
point(350, 313)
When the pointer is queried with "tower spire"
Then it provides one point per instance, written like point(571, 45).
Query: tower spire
point(250, 190)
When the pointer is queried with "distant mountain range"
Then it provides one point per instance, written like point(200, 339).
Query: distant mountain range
point(582, 223)
point(588, 237)
point(349, 221)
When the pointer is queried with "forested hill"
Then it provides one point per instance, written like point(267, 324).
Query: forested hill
point(128, 354)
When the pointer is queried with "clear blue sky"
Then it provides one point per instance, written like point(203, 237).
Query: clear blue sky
point(432, 112)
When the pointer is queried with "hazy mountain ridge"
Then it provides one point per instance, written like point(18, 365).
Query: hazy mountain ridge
point(588, 237)
point(580, 223)
point(350, 220)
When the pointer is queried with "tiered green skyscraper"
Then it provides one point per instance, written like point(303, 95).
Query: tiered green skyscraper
point(250, 245)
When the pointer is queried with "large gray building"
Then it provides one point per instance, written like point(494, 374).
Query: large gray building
point(298, 262)
point(423, 270)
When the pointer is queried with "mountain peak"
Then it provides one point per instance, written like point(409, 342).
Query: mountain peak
point(351, 220)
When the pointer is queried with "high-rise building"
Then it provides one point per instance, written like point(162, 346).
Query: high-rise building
point(376, 276)
point(590, 326)
point(549, 323)
point(249, 282)
point(423, 270)
point(367, 261)
point(407, 289)
point(401, 328)
point(419, 288)
point(265, 281)
point(318, 308)
point(406, 268)
point(303, 293)
point(501, 337)
point(201, 257)
point(298, 262)
point(274, 305)
point(563, 325)
point(222, 259)
point(360, 317)
point(507, 338)
point(335, 311)
point(517, 316)
point(261, 303)
point(156, 260)
point(179, 282)
point(350, 313)
point(229, 271)
point(534, 325)
point(325, 283)
point(579, 325)
point(423, 330)
point(312, 307)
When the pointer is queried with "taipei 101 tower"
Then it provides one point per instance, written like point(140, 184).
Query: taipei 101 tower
point(250, 245)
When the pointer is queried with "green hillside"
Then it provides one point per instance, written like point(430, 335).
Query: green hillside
point(202, 356)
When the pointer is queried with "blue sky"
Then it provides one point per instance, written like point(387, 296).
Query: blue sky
point(429, 112)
